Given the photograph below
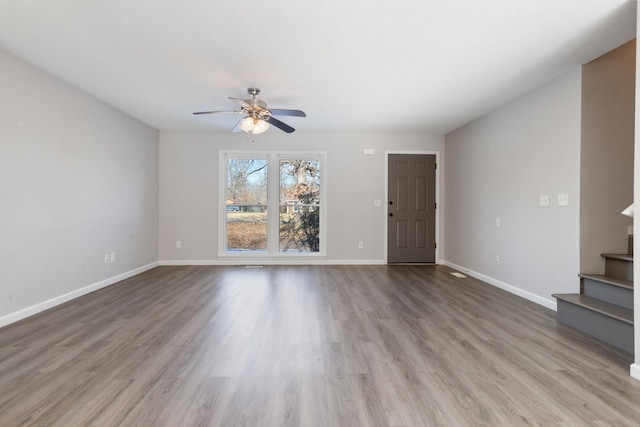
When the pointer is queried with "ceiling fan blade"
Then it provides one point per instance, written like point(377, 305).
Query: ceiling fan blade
point(280, 125)
point(284, 112)
point(216, 112)
point(241, 102)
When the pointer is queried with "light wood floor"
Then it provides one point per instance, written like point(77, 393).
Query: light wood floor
point(307, 346)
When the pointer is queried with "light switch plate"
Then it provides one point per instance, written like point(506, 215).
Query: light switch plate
point(563, 200)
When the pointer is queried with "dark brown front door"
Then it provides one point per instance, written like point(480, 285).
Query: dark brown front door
point(412, 208)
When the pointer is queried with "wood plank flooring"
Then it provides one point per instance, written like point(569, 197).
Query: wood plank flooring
point(308, 346)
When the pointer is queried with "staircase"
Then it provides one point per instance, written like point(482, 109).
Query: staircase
point(604, 306)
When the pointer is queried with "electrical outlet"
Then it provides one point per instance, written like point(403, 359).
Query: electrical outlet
point(544, 200)
point(178, 244)
point(113, 257)
point(360, 245)
point(497, 259)
point(107, 258)
point(498, 222)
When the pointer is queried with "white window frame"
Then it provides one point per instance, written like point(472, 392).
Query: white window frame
point(273, 202)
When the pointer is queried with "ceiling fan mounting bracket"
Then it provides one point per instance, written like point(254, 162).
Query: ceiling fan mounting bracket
point(253, 91)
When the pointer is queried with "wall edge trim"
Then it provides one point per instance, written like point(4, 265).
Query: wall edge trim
point(634, 370)
point(548, 303)
point(53, 302)
point(263, 261)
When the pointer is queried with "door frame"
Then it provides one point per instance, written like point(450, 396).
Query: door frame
point(439, 169)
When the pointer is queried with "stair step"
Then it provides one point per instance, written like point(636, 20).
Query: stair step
point(619, 266)
point(607, 309)
point(607, 322)
point(608, 289)
point(621, 257)
point(613, 281)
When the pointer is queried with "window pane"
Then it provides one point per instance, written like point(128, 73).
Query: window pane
point(299, 206)
point(246, 205)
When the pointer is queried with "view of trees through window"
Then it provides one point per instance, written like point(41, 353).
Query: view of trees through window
point(246, 213)
point(300, 205)
point(248, 206)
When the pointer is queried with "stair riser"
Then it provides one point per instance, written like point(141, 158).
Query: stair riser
point(619, 269)
point(614, 332)
point(609, 293)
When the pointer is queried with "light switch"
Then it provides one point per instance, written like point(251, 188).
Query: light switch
point(544, 200)
point(377, 203)
point(563, 200)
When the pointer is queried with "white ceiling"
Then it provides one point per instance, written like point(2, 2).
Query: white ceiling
point(352, 65)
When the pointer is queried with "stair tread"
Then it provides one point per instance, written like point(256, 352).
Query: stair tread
point(621, 257)
point(627, 284)
point(611, 310)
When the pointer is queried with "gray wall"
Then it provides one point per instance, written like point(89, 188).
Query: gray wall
point(78, 179)
point(635, 368)
point(189, 189)
point(606, 171)
point(497, 167)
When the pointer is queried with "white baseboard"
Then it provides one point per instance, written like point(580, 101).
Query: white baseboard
point(272, 261)
point(549, 303)
point(634, 371)
point(45, 305)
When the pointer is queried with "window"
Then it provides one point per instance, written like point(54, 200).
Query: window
point(246, 204)
point(300, 227)
point(272, 204)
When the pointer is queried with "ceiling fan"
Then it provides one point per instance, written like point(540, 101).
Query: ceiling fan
point(257, 116)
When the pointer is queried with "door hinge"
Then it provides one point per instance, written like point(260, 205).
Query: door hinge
point(435, 206)
point(435, 166)
point(435, 245)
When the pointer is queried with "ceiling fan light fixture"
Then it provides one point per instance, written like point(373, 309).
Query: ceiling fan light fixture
point(260, 126)
point(247, 124)
point(253, 125)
